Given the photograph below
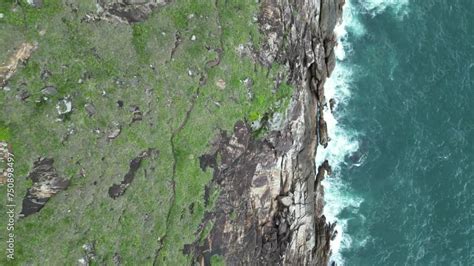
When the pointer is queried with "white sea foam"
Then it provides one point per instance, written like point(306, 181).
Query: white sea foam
point(343, 141)
point(375, 7)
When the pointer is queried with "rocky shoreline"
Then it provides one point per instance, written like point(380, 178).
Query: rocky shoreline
point(270, 208)
point(263, 198)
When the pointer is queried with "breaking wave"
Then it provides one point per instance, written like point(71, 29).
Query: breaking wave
point(375, 7)
point(343, 141)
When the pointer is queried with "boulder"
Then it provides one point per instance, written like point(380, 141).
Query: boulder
point(332, 104)
point(90, 109)
point(323, 132)
point(49, 91)
point(286, 201)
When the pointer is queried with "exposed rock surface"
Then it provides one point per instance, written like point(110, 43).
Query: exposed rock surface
point(269, 211)
point(46, 183)
point(332, 105)
point(35, 3)
point(126, 11)
point(90, 109)
point(49, 91)
point(23, 52)
point(117, 190)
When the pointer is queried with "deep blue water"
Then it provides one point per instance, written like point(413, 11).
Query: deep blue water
point(411, 110)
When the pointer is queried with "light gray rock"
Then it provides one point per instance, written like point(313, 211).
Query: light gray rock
point(64, 106)
point(126, 11)
point(286, 201)
point(90, 109)
point(35, 3)
point(49, 91)
point(114, 132)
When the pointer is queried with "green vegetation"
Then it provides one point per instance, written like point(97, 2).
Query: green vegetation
point(102, 63)
point(4, 132)
point(217, 261)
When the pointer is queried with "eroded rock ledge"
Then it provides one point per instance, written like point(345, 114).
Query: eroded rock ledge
point(269, 211)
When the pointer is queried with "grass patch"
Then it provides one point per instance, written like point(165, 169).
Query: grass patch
point(104, 64)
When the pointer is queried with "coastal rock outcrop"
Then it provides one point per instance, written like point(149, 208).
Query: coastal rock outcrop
point(269, 211)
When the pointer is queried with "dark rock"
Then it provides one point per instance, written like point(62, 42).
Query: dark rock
point(117, 259)
point(332, 104)
point(215, 62)
point(283, 228)
point(330, 14)
point(323, 170)
point(331, 62)
point(252, 226)
point(45, 74)
point(323, 132)
point(260, 181)
point(118, 190)
point(329, 44)
point(137, 114)
point(46, 183)
point(207, 160)
point(23, 95)
point(120, 103)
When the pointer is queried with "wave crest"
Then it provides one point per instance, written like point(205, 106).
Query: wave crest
point(375, 7)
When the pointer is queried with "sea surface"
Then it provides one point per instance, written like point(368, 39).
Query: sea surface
point(402, 135)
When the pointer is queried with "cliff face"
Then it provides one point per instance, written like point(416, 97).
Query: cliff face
point(270, 206)
point(112, 104)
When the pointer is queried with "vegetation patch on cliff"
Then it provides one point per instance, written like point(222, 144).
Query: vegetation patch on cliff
point(94, 94)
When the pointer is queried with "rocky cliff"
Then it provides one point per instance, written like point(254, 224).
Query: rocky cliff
point(270, 207)
point(165, 132)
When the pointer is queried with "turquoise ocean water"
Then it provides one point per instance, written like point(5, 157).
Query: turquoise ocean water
point(403, 134)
